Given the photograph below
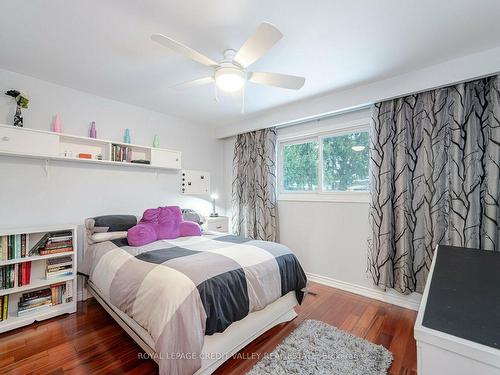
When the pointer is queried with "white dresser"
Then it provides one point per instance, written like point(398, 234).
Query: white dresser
point(458, 324)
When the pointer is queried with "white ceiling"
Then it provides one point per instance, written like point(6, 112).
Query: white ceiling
point(104, 47)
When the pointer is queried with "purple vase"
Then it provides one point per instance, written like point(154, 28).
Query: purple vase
point(93, 131)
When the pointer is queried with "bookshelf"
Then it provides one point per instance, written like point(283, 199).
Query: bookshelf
point(45, 145)
point(63, 287)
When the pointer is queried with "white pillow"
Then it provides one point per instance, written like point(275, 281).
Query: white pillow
point(108, 236)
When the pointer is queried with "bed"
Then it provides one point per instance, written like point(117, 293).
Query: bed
point(192, 302)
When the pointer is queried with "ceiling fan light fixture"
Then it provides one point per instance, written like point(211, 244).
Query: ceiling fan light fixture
point(230, 79)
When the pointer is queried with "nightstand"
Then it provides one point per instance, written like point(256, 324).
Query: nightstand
point(218, 224)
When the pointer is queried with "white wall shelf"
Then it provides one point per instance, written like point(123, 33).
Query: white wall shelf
point(38, 279)
point(45, 145)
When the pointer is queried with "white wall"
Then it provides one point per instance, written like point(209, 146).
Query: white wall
point(70, 192)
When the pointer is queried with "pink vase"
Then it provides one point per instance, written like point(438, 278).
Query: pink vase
point(57, 128)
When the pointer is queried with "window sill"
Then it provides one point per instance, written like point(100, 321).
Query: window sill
point(340, 197)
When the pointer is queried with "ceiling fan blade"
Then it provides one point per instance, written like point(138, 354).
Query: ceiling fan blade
point(194, 83)
point(258, 44)
point(183, 50)
point(279, 80)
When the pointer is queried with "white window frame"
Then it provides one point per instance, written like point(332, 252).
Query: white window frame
point(318, 136)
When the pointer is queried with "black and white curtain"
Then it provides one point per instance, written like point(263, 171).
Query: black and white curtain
point(254, 185)
point(435, 166)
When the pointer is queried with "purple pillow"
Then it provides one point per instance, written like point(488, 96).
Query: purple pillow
point(162, 223)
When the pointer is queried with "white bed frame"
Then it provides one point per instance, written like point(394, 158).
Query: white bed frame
point(219, 347)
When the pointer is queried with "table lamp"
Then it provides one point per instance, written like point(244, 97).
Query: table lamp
point(214, 196)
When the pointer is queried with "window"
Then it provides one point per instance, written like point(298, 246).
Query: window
point(345, 162)
point(300, 166)
point(329, 163)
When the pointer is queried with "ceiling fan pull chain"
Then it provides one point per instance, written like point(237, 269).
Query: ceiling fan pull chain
point(216, 96)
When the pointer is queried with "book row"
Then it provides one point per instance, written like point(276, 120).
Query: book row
point(57, 267)
point(13, 246)
point(53, 243)
point(42, 299)
point(121, 153)
point(13, 275)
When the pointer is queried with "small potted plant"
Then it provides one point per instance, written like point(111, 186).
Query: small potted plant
point(22, 101)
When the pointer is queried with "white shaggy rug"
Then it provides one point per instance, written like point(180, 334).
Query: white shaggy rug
point(319, 348)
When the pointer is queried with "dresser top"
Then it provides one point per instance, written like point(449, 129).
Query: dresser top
point(464, 295)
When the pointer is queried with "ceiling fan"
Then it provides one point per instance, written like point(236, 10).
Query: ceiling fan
point(231, 73)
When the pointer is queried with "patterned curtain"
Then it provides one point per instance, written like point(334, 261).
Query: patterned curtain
point(435, 166)
point(254, 185)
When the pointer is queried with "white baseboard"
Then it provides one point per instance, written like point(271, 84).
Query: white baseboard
point(389, 297)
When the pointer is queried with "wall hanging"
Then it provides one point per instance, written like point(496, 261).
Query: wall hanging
point(22, 101)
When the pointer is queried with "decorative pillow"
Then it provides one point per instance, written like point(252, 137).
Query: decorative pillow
point(108, 227)
point(161, 223)
point(192, 215)
point(114, 223)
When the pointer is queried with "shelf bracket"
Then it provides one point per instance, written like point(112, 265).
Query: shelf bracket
point(46, 167)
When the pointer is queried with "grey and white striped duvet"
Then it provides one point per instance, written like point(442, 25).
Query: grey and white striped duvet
point(181, 290)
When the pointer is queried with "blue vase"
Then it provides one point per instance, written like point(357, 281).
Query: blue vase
point(126, 137)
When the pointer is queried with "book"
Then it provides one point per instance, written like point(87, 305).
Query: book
point(5, 307)
point(28, 273)
point(34, 295)
point(41, 242)
point(63, 273)
point(33, 304)
point(52, 270)
point(58, 293)
point(69, 290)
point(60, 261)
point(61, 234)
point(18, 246)
point(23, 245)
point(34, 309)
point(23, 274)
point(55, 251)
point(60, 239)
point(58, 245)
point(9, 247)
point(121, 153)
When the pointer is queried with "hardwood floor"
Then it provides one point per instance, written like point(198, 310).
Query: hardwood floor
point(90, 342)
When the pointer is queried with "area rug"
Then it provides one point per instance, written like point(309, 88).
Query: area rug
point(319, 348)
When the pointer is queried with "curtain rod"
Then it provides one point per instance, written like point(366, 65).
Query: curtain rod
point(322, 116)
